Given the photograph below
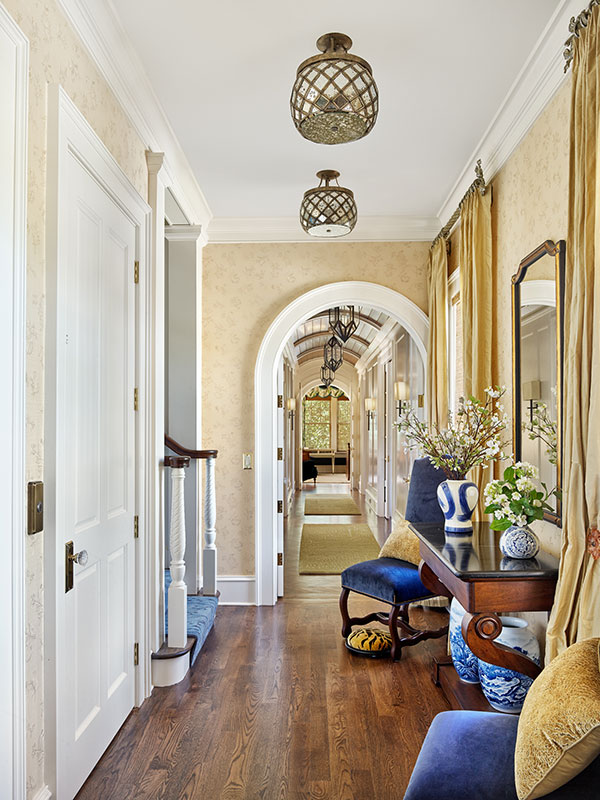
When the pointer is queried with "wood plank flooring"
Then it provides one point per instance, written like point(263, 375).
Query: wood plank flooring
point(276, 708)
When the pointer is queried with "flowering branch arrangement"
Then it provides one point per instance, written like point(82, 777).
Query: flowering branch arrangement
point(516, 500)
point(472, 438)
point(543, 427)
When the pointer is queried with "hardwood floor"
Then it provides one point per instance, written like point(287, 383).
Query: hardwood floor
point(276, 708)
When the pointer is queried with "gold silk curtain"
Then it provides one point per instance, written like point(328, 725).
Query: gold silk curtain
point(476, 303)
point(576, 612)
point(437, 365)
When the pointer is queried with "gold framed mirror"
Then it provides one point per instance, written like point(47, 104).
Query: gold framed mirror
point(538, 323)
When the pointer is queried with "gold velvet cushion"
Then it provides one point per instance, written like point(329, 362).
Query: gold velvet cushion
point(402, 543)
point(559, 728)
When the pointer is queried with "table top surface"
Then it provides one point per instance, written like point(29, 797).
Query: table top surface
point(479, 556)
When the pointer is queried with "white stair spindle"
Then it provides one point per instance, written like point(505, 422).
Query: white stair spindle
point(209, 554)
point(177, 636)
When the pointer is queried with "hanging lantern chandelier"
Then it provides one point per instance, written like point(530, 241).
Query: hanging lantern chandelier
point(334, 98)
point(342, 322)
point(333, 354)
point(326, 376)
point(328, 211)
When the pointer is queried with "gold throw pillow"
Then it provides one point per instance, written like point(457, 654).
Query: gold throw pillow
point(402, 543)
point(559, 727)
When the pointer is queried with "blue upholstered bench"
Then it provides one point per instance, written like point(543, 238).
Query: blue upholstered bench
point(470, 754)
point(394, 581)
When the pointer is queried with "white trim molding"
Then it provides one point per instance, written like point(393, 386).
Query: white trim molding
point(237, 590)
point(43, 794)
point(237, 230)
point(13, 254)
point(101, 32)
point(357, 293)
point(535, 85)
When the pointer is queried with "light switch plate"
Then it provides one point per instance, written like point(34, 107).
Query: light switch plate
point(247, 461)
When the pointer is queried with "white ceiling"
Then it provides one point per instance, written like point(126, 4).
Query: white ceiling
point(370, 322)
point(223, 73)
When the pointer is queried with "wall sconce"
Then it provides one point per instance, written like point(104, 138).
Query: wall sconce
point(532, 391)
point(291, 405)
point(370, 406)
point(402, 396)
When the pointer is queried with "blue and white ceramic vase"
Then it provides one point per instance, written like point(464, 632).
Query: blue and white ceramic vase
point(464, 660)
point(506, 689)
point(517, 542)
point(457, 500)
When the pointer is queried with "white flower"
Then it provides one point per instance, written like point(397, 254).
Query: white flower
point(499, 514)
point(537, 503)
point(516, 496)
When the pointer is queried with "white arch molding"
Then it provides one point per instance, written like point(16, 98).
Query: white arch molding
point(355, 293)
point(538, 293)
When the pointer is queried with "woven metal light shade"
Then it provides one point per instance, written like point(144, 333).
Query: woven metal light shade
point(328, 211)
point(334, 98)
point(333, 354)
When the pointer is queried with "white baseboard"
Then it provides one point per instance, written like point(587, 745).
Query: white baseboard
point(237, 590)
point(43, 794)
point(397, 518)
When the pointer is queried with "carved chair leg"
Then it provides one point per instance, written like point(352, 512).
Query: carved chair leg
point(396, 651)
point(346, 624)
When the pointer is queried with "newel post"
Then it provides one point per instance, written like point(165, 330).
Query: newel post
point(209, 554)
point(177, 620)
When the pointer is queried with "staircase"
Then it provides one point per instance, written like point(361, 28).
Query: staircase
point(188, 618)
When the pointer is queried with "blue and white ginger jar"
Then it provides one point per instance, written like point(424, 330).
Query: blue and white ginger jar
point(506, 689)
point(464, 660)
point(457, 500)
point(517, 542)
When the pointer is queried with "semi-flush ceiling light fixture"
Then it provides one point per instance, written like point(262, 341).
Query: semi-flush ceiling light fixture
point(326, 376)
point(328, 211)
point(334, 98)
point(333, 354)
point(342, 322)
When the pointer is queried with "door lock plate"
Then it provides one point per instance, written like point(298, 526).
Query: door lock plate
point(35, 507)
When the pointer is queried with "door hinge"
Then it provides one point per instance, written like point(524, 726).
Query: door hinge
point(280, 506)
point(280, 454)
point(136, 654)
point(280, 559)
point(421, 398)
point(135, 399)
point(279, 401)
point(136, 271)
point(136, 527)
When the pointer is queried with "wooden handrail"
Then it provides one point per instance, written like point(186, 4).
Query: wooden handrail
point(185, 451)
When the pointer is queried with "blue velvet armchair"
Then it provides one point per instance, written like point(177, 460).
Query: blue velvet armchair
point(391, 580)
point(470, 754)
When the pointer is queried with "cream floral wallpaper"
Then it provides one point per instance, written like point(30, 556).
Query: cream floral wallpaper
point(56, 56)
point(244, 288)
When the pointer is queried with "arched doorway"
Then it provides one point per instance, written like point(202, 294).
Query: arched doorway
point(356, 293)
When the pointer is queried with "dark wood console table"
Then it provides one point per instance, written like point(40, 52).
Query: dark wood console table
point(486, 584)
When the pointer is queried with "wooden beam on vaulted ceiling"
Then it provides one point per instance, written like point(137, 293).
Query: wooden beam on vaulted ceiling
point(308, 336)
point(361, 318)
point(317, 352)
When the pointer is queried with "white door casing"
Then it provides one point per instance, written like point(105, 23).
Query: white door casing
point(281, 493)
point(14, 56)
point(95, 478)
point(356, 293)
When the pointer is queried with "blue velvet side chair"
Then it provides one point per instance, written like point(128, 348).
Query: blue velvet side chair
point(393, 581)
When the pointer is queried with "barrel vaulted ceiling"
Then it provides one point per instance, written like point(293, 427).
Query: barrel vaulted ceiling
point(223, 72)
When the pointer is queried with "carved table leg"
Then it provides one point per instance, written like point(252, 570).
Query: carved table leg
point(479, 632)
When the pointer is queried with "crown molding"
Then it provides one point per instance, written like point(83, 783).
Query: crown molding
point(185, 233)
point(230, 230)
point(103, 36)
point(535, 85)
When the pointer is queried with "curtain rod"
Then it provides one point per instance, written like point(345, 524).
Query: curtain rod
point(575, 25)
point(478, 184)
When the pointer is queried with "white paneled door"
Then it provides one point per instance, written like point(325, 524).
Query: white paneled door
point(95, 476)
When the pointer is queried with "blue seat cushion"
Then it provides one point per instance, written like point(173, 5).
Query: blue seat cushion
point(470, 754)
point(388, 579)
